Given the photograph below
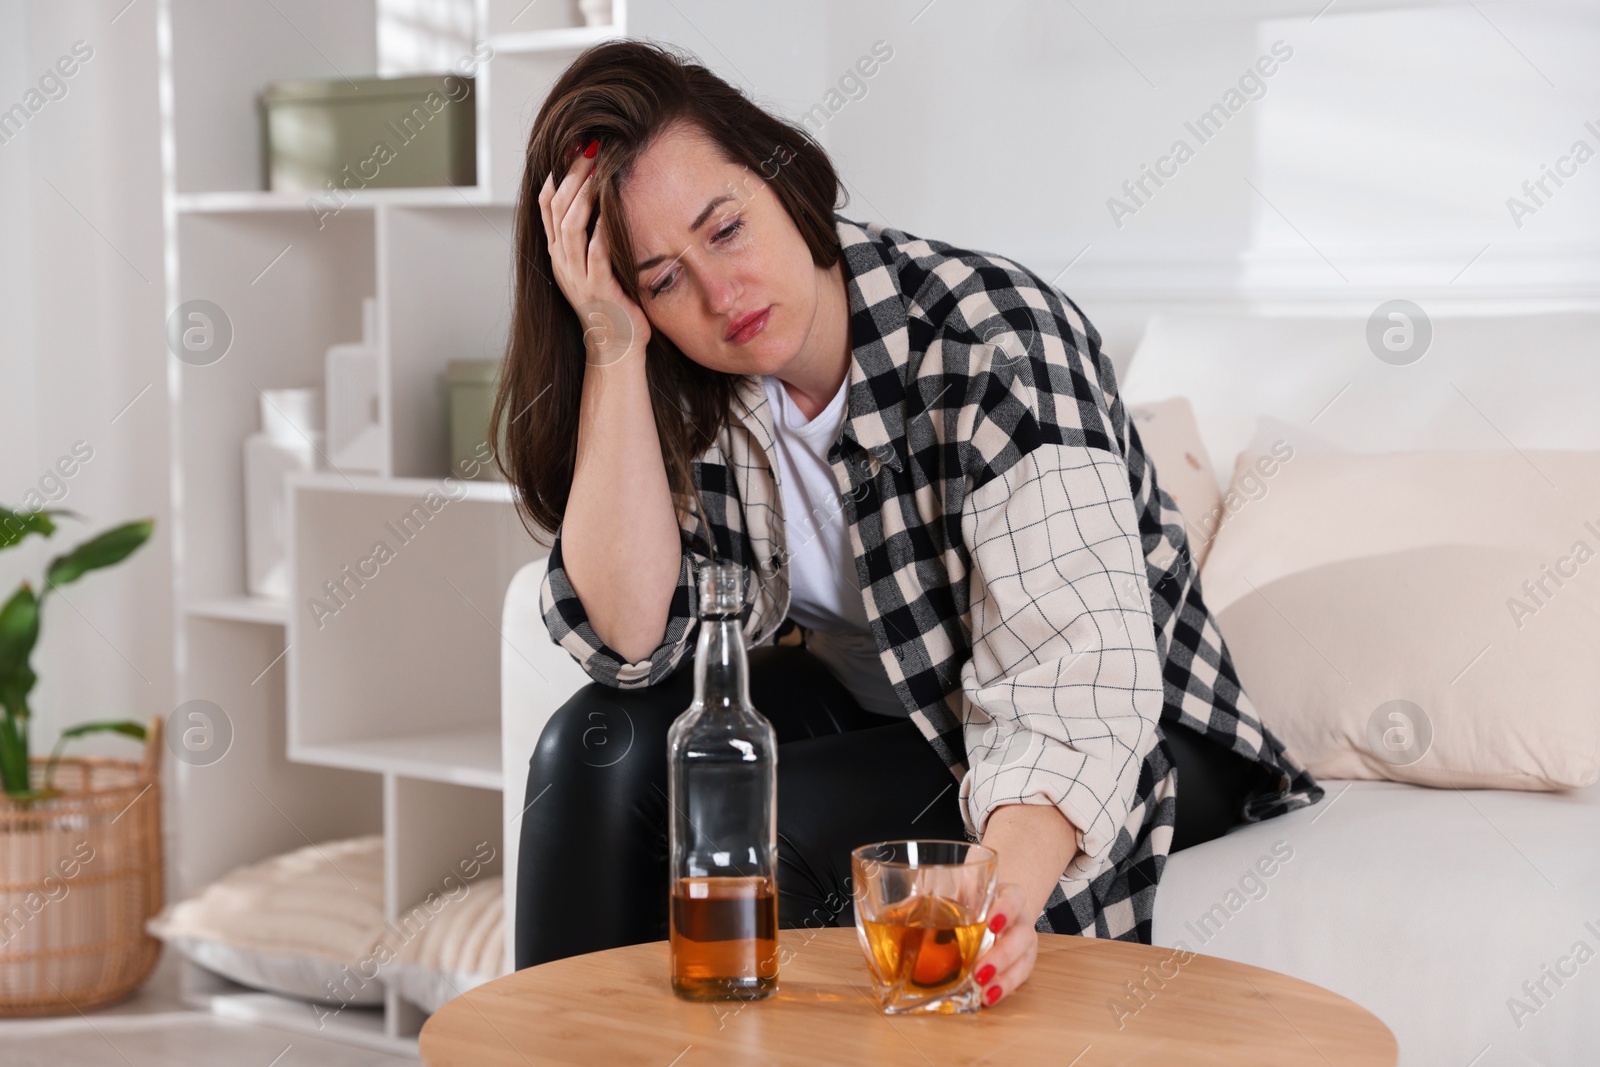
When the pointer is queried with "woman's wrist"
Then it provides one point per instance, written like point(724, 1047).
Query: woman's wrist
point(1035, 842)
point(613, 356)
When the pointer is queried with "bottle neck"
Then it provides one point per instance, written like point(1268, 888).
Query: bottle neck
point(721, 678)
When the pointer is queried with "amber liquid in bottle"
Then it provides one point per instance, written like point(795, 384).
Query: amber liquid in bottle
point(722, 769)
point(724, 927)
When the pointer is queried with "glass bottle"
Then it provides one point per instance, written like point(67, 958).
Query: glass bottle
point(722, 768)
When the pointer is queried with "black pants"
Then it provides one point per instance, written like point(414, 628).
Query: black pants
point(593, 866)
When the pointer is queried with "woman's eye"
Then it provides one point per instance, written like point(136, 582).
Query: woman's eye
point(719, 237)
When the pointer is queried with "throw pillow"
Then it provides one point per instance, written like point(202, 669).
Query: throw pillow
point(1425, 617)
point(1172, 440)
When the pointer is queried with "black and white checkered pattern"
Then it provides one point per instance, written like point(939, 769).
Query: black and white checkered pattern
point(1029, 584)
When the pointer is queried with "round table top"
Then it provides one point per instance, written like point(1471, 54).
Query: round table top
point(1076, 1009)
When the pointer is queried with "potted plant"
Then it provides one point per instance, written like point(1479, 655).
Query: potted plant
point(80, 838)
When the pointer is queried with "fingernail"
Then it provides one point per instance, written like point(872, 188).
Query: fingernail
point(992, 995)
point(997, 923)
point(985, 973)
point(594, 146)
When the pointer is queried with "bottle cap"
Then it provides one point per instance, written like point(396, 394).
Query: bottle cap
point(721, 589)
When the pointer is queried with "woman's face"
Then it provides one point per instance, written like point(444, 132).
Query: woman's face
point(715, 246)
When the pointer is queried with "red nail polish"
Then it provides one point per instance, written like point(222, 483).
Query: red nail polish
point(997, 923)
point(993, 994)
point(594, 146)
point(985, 973)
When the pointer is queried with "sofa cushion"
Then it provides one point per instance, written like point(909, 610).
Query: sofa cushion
point(1405, 615)
point(1172, 441)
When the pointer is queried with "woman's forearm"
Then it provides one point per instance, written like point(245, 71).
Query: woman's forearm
point(619, 534)
point(1035, 843)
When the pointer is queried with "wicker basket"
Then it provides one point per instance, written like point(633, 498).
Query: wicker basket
point(79, 875)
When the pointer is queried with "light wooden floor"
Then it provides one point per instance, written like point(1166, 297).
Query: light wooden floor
point(152, 1030)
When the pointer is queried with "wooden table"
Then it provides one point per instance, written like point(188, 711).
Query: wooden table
point(616, 1007)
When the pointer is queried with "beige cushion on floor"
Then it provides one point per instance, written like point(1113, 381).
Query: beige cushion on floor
point(468, 934)
point(460, 948)
point(1383, 614)
point(291, 924)
point(1172, 440)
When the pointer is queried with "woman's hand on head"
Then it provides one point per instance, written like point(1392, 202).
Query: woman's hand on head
point(1009, 960)
point(613, 325)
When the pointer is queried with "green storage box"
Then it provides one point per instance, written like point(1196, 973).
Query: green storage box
point(369, 133)
point(472, 384)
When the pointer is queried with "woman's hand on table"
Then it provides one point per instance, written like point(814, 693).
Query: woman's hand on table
point(1034, 842)
point(1009, 960)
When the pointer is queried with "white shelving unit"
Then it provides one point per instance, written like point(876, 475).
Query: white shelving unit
point(381, 714)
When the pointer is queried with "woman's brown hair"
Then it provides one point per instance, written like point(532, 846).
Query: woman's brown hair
point(626, 93)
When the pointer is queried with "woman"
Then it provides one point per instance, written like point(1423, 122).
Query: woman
point(919, 455)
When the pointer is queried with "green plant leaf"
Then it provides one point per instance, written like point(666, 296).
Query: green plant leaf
point(19, 631)
point(14, 690)
point(108, 548)
point(14, 755)
point(16, 525)
point(125, 727)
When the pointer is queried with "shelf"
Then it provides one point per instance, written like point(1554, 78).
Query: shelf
point(563, 39)
point(380, 712)
point(376, 485)
point(242, 609)
point(354, 1026)
point(246, 201)
point(464, 756)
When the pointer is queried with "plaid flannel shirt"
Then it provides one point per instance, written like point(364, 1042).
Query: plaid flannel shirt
point(1028, 583)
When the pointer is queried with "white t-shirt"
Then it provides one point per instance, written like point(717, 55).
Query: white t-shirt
point(824, 596)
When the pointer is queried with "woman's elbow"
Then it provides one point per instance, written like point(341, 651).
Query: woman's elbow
point(633, 636)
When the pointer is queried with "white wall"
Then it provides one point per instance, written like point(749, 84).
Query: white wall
point(1386, 146)
point(17, 424)
point(81, 307)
